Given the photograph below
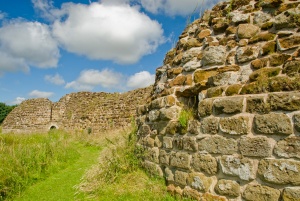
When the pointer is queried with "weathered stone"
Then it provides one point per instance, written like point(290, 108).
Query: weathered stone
point(149, 142)
point(168, 142)
point(247, 30)
point(175, 191)
point(179, 80)
point(292, 68)
point(172, 127)
point(218, 145)
point(223, 79)
point(262, 37)
point(245, 54)
point(153, 154)
point(214, 55)
point(233, 89)
point(169, 113)
point(215, 92)
point(174, 72)
point(180, 160)
point(205, 107)
point(278, 59)
point(228, 188)
point(220, 26)
point(288, 43)
point(288, 19)
point(170, 101)
point(259, 63)
point(210, 125)
point(181, 178)
point(204, 163)
point(231, 30)
point(190, 193)
point(243, 42)
point(291, 194)
point(271, 3)
point(255, 192)
point(284, 101)
point(297, 122)
point(261, 17)
point(164, 157)
point(264, 73)
point(153, 115)
point(194, 127)
point(272, 123)
point(193, 42)
point(201, 76)
point(199, 181)
point(288, 147)
point(282, 83)
point(158, 141)
point(279, 171)
point(268, 48)
point(153, 168)
point(238, 18)
point(204, 33)
point(210, 197)
point(257, 105)
point(144, 130)
point(238, 166)
point(228, 105)
point(256, 146)
point(235, 125)
point(169, 175)
point(189, 143)
point(178, 142)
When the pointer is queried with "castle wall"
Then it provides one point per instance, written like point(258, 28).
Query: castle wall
point(224, 120)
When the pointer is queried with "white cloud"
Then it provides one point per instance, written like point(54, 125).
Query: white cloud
point(107, 31)
point(17, 101)
point(2, 15)
point(27, 43)
point(55, 79)
point(141, 79)
point(177, 7)
point(46, 9)
point(89, 79)
point(40, 94)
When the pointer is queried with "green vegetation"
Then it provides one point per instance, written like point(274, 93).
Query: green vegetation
point(184, 117)
point(5, 110)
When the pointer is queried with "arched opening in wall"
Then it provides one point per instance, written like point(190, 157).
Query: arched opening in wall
point(53, 128)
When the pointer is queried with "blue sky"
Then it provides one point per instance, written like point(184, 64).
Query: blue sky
point(52, 48)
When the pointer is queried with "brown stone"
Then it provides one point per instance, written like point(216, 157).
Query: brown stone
point(210, 125)
point(257, 105)
point(235, 125)
point(292, 68)
point(256, 147)
point(247, 30)
point(264, 73)
point(153, 168)
point(205, 107)
point(193, 42)
point(189, 143)
point(204, 33)
point(279, 171)
point(181, 178)
point(220, 27)
point(285, 101)
point(215, 92)
point(214, 55)
point(291, 194)
point(288, 147)
point(271, 3)
point(269, 48)
point(255, 192)
point(190, 193)
point(228, 105)
point(204, 163)
point(179, 80)
point(231, 30)
point(194, 127)
point(168, 142)
point(262, 37)
point(297, 122)
point(272, 124)
point(199, 181)
point(233, 89)
point(164, 157)
point(180, 160)
point(174, 72)
point(218, 145)
point(211, 197)
point(228, 188)
point(248, 53)
point(288, 43)
point(278, 59)
point(259, 63)
point(201, 76)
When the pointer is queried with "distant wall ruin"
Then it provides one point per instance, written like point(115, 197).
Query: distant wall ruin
point(234, 77)
point(82, 111)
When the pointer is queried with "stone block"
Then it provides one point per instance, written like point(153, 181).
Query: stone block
point(204, 163)
point(205, 107)
point(272, 124)
point(210, 125)
point(278, 59)
point(153, 168)
point(214, 55)
point(190, 193)
point(288, 147)
point(235, 125)
point(169, 113)
point(291, 194)
point(297, 122)
point(189, 143)
point(218, 145)
point(292, 68)
point(199, 181)
point(153, 155)
point(158, 141)
point(201, 76)
point(233, 89)
point(169, 175)
point(164, 157)
point(210, 197)
point(194, 127)
point(215, 92)
point(180, 160)
point(288, 43)
point(259, 63)
point(238, 167)
point(246, 54)
point(178, 142)
point(279, 171)
point(153, 115)
point(256, 147)
point(247, 31)
point(168, 142)
point(255, 192)
point(228, 188)
point(181, 178)
point(157, 103)
point(144, 130)
point(257, 105)
point(284, 101)
point(264, 73)
point(149, 142)
point(268, 48)
point(228, 105)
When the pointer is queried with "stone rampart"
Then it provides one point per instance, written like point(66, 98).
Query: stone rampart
point(82, 112)
point(224, 120)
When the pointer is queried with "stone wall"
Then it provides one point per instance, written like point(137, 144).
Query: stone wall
point(82, 112)
point(224, 120)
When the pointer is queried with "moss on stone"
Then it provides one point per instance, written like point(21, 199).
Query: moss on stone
point(269, 48)
point(264, 73)
point(267, 25)
point(215, 92)
point(262, 37)
point(233, 89)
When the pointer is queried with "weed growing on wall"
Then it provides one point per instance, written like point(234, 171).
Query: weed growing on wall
point(184, 117)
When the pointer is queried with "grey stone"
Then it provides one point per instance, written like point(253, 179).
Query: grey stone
point(169, 175)
point(257, 105)
point(168, 142)
point(279, 171)
point(180, 160)
point(194, 127)
point(164, 157)
point(246, 54)
point(153, 155)
point(153, 168)
point(214, 55)
point(238, 166)
point(237, 17)
point(297, 122)
point(144, 130)
point(228, 105)
point(288, 147)
point(153, 115)
point(189, 143)
point(199, 181)
point(205, 107)
point(192, 65)
point(285, 101)
point(235, 125)
point(210, 125)
point(255, 192)
point(228, 188)
point(272, 123)
point(261, 17)
point(247, 30)
point(218, 145)
point(169, 113)
point(181, 178)
point(256, 146)
point(291, 194)
point(204, 163)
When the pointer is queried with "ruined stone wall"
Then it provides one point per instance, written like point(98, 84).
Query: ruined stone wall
point(224, 120)
point(81, 112)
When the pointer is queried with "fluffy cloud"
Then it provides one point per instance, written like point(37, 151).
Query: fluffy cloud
point(26, 43)
point(177, 7)
point(18, 101)
point(109, 31)
point(40, 94)
point(89, 79)
point(141, 79)
point(55, 79)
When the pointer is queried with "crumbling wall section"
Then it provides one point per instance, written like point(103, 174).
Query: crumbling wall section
point(223, 123)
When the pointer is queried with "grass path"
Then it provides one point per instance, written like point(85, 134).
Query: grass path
point(60, 186)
